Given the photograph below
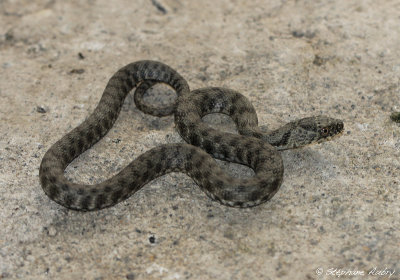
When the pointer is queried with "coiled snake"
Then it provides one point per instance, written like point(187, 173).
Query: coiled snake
point(252, 147)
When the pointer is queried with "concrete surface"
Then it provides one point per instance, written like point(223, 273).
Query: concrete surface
point(338, 207)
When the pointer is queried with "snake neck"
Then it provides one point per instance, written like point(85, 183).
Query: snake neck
point(280, 138)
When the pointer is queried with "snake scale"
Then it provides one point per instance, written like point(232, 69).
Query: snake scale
point(252, 147)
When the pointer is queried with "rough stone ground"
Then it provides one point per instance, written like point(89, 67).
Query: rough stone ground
point(338, 206)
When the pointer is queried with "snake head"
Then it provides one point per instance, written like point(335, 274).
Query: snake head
point(309, 130)
point(317, 129)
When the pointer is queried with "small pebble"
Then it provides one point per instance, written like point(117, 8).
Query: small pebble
point(318, 60)
point(40, 109)
point(77, 71)
point(52, 231)
point(395, 117)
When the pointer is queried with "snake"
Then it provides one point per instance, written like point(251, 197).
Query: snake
point(252, 146)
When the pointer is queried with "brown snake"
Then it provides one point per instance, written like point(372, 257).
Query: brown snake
point(252, 147)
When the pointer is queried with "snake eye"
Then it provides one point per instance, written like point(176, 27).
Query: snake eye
point(324, 131)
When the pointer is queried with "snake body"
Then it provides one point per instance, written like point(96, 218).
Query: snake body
point(252, 147)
